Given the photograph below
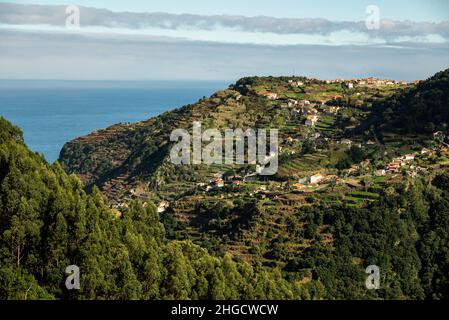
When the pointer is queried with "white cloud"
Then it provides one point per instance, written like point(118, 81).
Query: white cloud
point(227, 28)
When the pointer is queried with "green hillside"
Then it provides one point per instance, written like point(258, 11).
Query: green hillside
point(423, 109)
point(47, 223)
point(351, 190)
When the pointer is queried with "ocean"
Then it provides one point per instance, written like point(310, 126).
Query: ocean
point(50, 113)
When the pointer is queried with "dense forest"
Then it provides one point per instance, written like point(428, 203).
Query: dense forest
point(47, 222)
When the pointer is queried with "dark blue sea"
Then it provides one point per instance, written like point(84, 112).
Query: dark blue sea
point(51, 113)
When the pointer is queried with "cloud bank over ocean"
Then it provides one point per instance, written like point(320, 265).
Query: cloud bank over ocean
point(155, 45)
point(20, 14)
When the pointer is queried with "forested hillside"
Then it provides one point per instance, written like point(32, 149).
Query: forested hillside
point(363, 180)
point(422, 109)
point(47, 222)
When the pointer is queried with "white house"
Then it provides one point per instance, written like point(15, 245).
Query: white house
point(316, 178)
point(292, 102)
point(409, 157)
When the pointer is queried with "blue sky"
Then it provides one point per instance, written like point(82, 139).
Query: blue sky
point(417, 10)
point(222, 40)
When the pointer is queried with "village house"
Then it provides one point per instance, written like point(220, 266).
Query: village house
point(311, 120)
point(333, 109)
point(371, 80)
point(347, 142)
point(271, 95)
point(425, 151)
point(315, 179)
point(409, 157)
point(292, 102)
point(380, 172)
point(394, 165)
point(350, 85)
point(163, 206)
point(217, 180)
point(294, 84)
